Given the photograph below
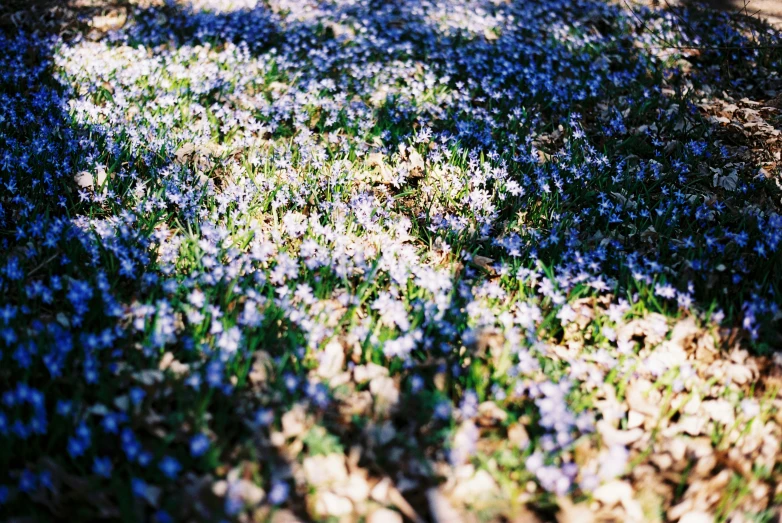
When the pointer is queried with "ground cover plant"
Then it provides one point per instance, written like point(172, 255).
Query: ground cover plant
point(390, 260)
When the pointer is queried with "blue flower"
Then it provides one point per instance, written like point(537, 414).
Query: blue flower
point(442, 410)
point(138, 486)
point(144, 458)
point(83, 432)
point(45, 479)
point(28, 483)
point(161, 516)
point(110, 424)
point(20, 429)
point(76, 447)
point(102, 467)
point(199, 444)
point(130, 445)
point(170, 467)
point(137, 395)
point(264, 417)
point(279, 492)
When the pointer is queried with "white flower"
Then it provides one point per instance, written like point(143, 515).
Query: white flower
point(197, 298)
point(750, 408)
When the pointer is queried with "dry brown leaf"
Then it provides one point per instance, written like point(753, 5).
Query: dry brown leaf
point(484, 263)
point(573, 513)
point(440, 508)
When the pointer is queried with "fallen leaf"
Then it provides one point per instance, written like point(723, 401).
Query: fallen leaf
point(440, 508)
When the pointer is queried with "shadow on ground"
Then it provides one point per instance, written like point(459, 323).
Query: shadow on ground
point(417, 438)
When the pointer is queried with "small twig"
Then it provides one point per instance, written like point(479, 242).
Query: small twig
point(746, 13)
point(42, 264)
